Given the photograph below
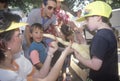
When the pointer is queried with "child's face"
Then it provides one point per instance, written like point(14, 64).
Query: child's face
point(92, 23)
point(37, 35)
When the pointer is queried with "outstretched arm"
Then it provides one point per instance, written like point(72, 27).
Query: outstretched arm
point(52, 76)
point(81, 48)
point(54, 72)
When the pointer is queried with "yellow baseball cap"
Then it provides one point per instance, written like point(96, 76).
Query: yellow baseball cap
point(96, 8)
point(13, 26)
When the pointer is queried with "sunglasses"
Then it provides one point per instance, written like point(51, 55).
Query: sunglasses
point(51, 8)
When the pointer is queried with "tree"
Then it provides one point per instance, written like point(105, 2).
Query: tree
point(74, 5)
point(69, 5)
point(25, 5)
point(113, 3)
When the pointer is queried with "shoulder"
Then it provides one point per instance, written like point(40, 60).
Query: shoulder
point(105, 33)
point(36, 46)
point(34, 11)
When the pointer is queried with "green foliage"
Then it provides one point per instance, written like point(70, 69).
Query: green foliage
point(25, 5)
point(113, 3)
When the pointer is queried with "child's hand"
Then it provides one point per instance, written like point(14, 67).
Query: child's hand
point(53, 47)
point(76, 54)
point(68, 49)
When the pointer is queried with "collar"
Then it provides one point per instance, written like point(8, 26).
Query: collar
point(43, 14)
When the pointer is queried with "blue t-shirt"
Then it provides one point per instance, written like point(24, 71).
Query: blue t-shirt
point(42, 50)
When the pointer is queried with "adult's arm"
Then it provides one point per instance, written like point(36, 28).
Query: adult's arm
point(54, 72)
point(46, 66)
point(81, 48)
point(52, 76)
point(27, 35)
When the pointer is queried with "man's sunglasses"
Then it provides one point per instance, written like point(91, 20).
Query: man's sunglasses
point(50, 8)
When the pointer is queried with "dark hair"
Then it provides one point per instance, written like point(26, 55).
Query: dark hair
point(45, 1)
point(5, 21)
point(36, 25)
point(106, 20)
point(4, 37)
point(12, 17)
point(66, 30)
point(4, 1)
point(3, 47)
point(7, 18)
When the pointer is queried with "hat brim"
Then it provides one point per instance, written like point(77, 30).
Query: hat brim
point(13, 26)
point(80, 19)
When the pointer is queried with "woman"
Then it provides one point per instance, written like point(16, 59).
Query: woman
point(10, 44)
point(103, 49)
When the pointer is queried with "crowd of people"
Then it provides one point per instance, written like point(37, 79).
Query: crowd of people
point(29, 56)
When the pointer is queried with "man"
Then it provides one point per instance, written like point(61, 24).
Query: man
point(45, 16)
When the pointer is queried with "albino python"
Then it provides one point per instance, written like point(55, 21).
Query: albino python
point(81, 48)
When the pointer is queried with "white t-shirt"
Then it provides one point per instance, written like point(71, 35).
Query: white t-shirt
point(9, 75)
point(25, 68)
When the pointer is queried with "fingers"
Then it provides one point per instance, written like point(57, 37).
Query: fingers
point(56, 39)
point(76, 53)
point(53, 44)
point(70, 43)
point(68, 49)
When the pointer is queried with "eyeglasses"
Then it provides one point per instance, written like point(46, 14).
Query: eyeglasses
point(50, 8)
